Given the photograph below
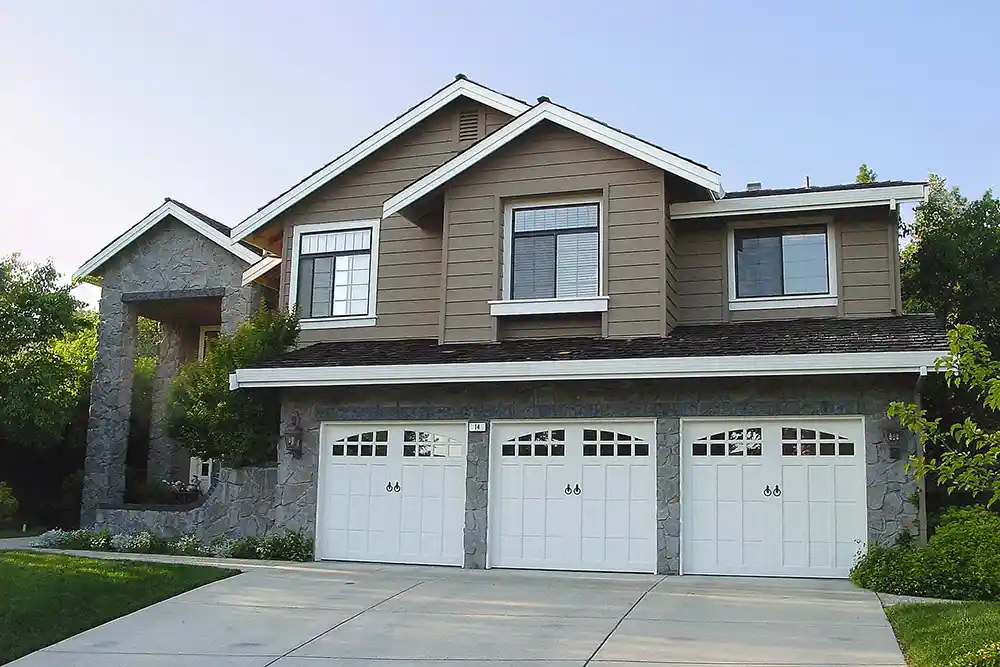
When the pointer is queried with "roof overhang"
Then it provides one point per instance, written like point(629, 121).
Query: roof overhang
point(167, 209)
point(891, 196)
point(547, 111)
point(604, 369)
point(459, 88)
point(261, 267)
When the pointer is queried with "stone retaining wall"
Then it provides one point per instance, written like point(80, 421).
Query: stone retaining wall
point(240, 504)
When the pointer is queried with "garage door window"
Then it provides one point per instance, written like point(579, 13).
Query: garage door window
point(424, 444)
point(536, 443)
point(736, 442)
point(612, 443)
point(810, 442)
point(366, 443)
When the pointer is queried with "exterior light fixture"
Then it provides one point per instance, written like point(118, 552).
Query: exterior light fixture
point(894, 439)
point(292, 433)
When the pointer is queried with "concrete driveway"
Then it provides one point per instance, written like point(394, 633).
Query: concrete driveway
point(340, 616)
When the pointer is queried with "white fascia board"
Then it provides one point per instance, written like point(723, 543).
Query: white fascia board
point(144, 225)
point(570, 120)
point(263, 265)
point(460, 88)
point(800, 201)
point(600, 369)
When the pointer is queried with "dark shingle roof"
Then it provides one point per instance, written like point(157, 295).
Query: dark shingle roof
point(806, 336)
point(212, 222)
point(819, 188)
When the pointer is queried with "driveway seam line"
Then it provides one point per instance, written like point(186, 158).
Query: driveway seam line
point(337, 625)
point(622, 619)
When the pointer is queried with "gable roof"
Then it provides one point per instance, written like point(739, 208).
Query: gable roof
point(211, 229)
point(571, 120)
point(460, 87)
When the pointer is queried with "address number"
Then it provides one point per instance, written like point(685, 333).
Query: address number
point(477, 427)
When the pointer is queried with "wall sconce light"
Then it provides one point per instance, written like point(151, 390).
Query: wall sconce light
point(894, 438)
point(292, 433)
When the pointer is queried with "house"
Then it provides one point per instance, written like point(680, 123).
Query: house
point(532, 340)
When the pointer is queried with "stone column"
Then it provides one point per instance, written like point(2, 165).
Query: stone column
point(238, 304)
point(668, 495)
point(110, 406)
point(476, 498)
point(169, 357)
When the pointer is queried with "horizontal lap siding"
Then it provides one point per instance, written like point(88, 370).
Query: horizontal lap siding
point(549, 160)
point(701, 273)
point(409, 278)
point(868, 256)
point(550, 326)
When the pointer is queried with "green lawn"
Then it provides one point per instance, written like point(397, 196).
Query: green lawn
point(932, 634)
point(47, 597)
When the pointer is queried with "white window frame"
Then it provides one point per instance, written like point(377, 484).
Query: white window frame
point(591, 304)
point(211, 328)
point(793, 301)
point(342, 321)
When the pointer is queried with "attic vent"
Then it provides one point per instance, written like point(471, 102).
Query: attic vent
point(468, 125)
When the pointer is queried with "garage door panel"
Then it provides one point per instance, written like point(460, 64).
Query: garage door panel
point(593, 521)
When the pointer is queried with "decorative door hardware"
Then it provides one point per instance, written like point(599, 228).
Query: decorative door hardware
point(392, 488)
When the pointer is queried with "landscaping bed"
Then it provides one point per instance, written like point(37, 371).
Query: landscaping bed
point(949, 634)
point(45, 598)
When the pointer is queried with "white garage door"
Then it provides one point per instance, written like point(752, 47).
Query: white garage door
point(782, 497)
point(392, 493)
point(573, 495)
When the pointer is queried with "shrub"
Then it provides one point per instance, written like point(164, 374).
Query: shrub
point(286, 546)
point(189, 545)
point(961, 561)
point(987, 656)
point(51, 539)
point(139, 543)
point(8, 503)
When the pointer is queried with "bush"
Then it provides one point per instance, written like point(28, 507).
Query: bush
point(961, 561)
point(8, 503)
point(189, 545)
point(286, 546)
point(245, 547)
point(987, 656)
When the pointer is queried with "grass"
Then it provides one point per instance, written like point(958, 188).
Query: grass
point(45, 598)
point(932, 634)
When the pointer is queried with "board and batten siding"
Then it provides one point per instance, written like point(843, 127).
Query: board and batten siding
point(550, 161)
point(409, 273)
point(867, 256)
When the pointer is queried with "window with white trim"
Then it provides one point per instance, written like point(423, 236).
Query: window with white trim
point(553, 250)
point(782, 266)
point(333, 272)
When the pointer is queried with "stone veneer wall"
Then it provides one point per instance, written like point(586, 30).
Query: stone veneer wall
point(890, 488)
point(240, 504)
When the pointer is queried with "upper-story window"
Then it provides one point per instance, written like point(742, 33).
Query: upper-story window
point(553, 258)
point(333, 273)
point(782, 267)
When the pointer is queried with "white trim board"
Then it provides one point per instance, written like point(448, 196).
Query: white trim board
point(570, 120)
point(801, 201)
point(458, 88)
point(168, 208)
point(259, 269)
point(597, 369)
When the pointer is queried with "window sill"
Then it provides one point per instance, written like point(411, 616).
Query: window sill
point(767, 303)
point(590, 304)
point(338, 322)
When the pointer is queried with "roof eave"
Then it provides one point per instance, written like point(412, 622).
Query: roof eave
point(890, 196)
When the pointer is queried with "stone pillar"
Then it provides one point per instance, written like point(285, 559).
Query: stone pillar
point(891, 487)
point(238, 304)
point(476, 498)
point(668, 495)
point(162, 462)
point(110, 406)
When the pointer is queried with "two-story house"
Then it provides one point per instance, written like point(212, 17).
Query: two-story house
point(532, 340)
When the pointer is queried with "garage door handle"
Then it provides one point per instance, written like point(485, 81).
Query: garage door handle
point(568, 490)
point(777, 491)
point(576, 490)
point(392, 488)
point(767, 490)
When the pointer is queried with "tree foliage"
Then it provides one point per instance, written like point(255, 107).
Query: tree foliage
point(969, 458)
point(866, 174)
point(239, 427)
point(39, 383)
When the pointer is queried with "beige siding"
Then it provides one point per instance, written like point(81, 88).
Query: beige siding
point(552, 326)
point(549, 160)
point(866, 260)
point(409, 278)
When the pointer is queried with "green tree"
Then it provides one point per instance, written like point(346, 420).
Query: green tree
point(39, 387)
point(968, 454)
point(866, 174)
point(239, 427)
point(951, 267)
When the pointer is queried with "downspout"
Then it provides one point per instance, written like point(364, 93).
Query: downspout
point(922, 482)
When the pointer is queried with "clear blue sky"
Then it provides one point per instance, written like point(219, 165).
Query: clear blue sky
point(106, 107)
